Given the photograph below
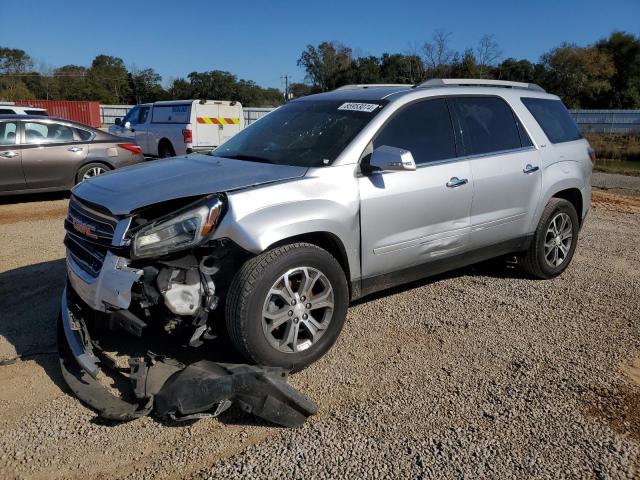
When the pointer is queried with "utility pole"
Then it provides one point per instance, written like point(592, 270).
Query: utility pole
point(286, 87)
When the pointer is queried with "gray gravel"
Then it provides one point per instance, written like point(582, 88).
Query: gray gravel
point(478, 374)
point(616, 183)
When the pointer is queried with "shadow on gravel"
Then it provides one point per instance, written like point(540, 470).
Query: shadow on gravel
point(29, 302)
point(498, 268)
point(33, 197)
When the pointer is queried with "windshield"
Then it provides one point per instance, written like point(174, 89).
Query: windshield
point(303, 133)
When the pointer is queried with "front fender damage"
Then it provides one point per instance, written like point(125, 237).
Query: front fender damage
point(166, 388)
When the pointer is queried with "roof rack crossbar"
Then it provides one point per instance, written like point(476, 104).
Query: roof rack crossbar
point(371, 85)
point(445, 82)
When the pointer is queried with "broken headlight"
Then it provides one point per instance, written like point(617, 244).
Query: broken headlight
point(179, 231)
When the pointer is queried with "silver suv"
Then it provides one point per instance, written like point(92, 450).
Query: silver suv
point(328, 198)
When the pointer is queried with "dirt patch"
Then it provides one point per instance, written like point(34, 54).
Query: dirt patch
point(20, 212)
point(621, 408)
point(615, 202)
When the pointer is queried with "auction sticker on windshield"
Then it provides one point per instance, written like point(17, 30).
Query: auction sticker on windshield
point(359, 107)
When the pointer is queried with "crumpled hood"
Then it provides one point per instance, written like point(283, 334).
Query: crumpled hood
point(131, 188)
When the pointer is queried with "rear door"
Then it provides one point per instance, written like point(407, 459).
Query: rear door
point(409, 218)
point(505, 167)
point(51, 154)
point(208, 127)
point(11, 174)
point(232, 116)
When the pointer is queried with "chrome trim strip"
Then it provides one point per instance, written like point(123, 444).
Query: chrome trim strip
point(122, 227)
point(86, 360)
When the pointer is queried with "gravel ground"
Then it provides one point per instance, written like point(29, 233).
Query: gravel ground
point(479, 373)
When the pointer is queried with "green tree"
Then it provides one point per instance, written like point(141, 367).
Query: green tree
point(581, 76)
point(624, 50)
point(327, 66)
point(108, 80)
point(145, 86)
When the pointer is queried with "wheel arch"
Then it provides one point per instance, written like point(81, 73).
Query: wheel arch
point(325, 240)
point(88, 161)
point(165, 141)
point(574, 196)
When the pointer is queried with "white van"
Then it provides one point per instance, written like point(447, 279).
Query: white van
point(166, 129)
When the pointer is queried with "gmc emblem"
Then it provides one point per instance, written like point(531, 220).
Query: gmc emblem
point(85, 229)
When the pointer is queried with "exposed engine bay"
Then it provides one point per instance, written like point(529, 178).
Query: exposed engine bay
point(132, 299)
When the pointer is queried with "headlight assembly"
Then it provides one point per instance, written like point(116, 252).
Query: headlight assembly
point(182, 230)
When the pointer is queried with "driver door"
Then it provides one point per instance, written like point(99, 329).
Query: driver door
point(11, 173)
point(412, 218)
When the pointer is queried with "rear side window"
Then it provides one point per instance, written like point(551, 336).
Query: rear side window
point(6, 111)
point(488, 125)
point(171, 114)
point(41, 113)
point(83, 134)
point(554, 118)
point(36, 133)
point(423, 128)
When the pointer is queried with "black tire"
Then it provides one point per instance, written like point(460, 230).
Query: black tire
point(534, 261)
point(94, 166)
point(165, 149)
point(248, 293)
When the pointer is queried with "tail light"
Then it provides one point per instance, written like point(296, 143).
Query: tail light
point(135, 149)
point(187, 134)
point(592, 155)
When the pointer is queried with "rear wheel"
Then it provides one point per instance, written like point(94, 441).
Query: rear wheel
point(554, 241)
point(286, 307)
point(165, 149)
point(91, 170)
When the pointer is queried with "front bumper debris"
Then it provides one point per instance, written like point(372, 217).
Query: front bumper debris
point(170, 389)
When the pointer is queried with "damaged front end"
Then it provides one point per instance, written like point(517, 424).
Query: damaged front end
point(136, 281)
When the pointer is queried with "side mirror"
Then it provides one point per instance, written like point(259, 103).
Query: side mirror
point(118, 121)
point(391, 159)
point(127, 125)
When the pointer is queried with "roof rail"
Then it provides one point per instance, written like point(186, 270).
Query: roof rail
point(372, 85)
point(460, 82)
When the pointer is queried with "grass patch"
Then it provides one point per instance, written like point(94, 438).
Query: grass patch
point(612, 146)
point(613, 166)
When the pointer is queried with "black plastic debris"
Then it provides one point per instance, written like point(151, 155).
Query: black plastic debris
point(169, 389)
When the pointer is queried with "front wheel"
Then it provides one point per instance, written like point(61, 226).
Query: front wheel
point(554, 241)
point(286, 307)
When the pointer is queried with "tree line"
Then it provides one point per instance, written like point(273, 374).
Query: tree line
point(109, 81)
point(605, 74)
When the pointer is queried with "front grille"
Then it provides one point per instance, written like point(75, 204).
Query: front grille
point(90, 224)
point(89, 234)
point(88, 256)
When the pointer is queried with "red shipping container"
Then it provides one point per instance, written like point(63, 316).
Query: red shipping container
point(78, 111)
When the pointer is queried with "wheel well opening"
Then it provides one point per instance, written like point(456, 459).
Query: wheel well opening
point(573, 196)
point(92, 162)
point(165, 141)
point(325, 240)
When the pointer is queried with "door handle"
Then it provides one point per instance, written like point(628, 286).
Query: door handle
point(75, 149)
point(530, 168)
point(456, 182)
point(9, 154)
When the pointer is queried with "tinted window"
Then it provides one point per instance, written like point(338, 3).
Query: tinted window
point(47, 133)
point(424, 129)
point(83, 134)
point(488, 125)
point(144, 113)
point(309, 133)
point(554, 118)
point(6, 111)
point(131, 116)
point(42, 113)
point(7, 133)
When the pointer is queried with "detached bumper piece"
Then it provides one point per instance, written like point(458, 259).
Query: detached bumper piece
point(169, 389)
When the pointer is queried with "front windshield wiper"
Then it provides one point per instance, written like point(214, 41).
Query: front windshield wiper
point(251, 158)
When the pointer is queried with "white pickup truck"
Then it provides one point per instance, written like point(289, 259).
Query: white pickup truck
point(169, 128)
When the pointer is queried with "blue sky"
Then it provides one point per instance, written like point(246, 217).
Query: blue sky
point(261, 40)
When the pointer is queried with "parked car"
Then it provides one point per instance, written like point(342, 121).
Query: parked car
point(43, 154)
point(169, 128)
point(16, 110)
point(327, 199)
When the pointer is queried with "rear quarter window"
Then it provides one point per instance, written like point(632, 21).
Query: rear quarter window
point(554, 119)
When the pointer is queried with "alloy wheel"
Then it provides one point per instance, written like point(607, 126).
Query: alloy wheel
point(297, 309)
point(93, 172)
point(557, 240)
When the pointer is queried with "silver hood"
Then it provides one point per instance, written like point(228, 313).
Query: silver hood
point(125, 190)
